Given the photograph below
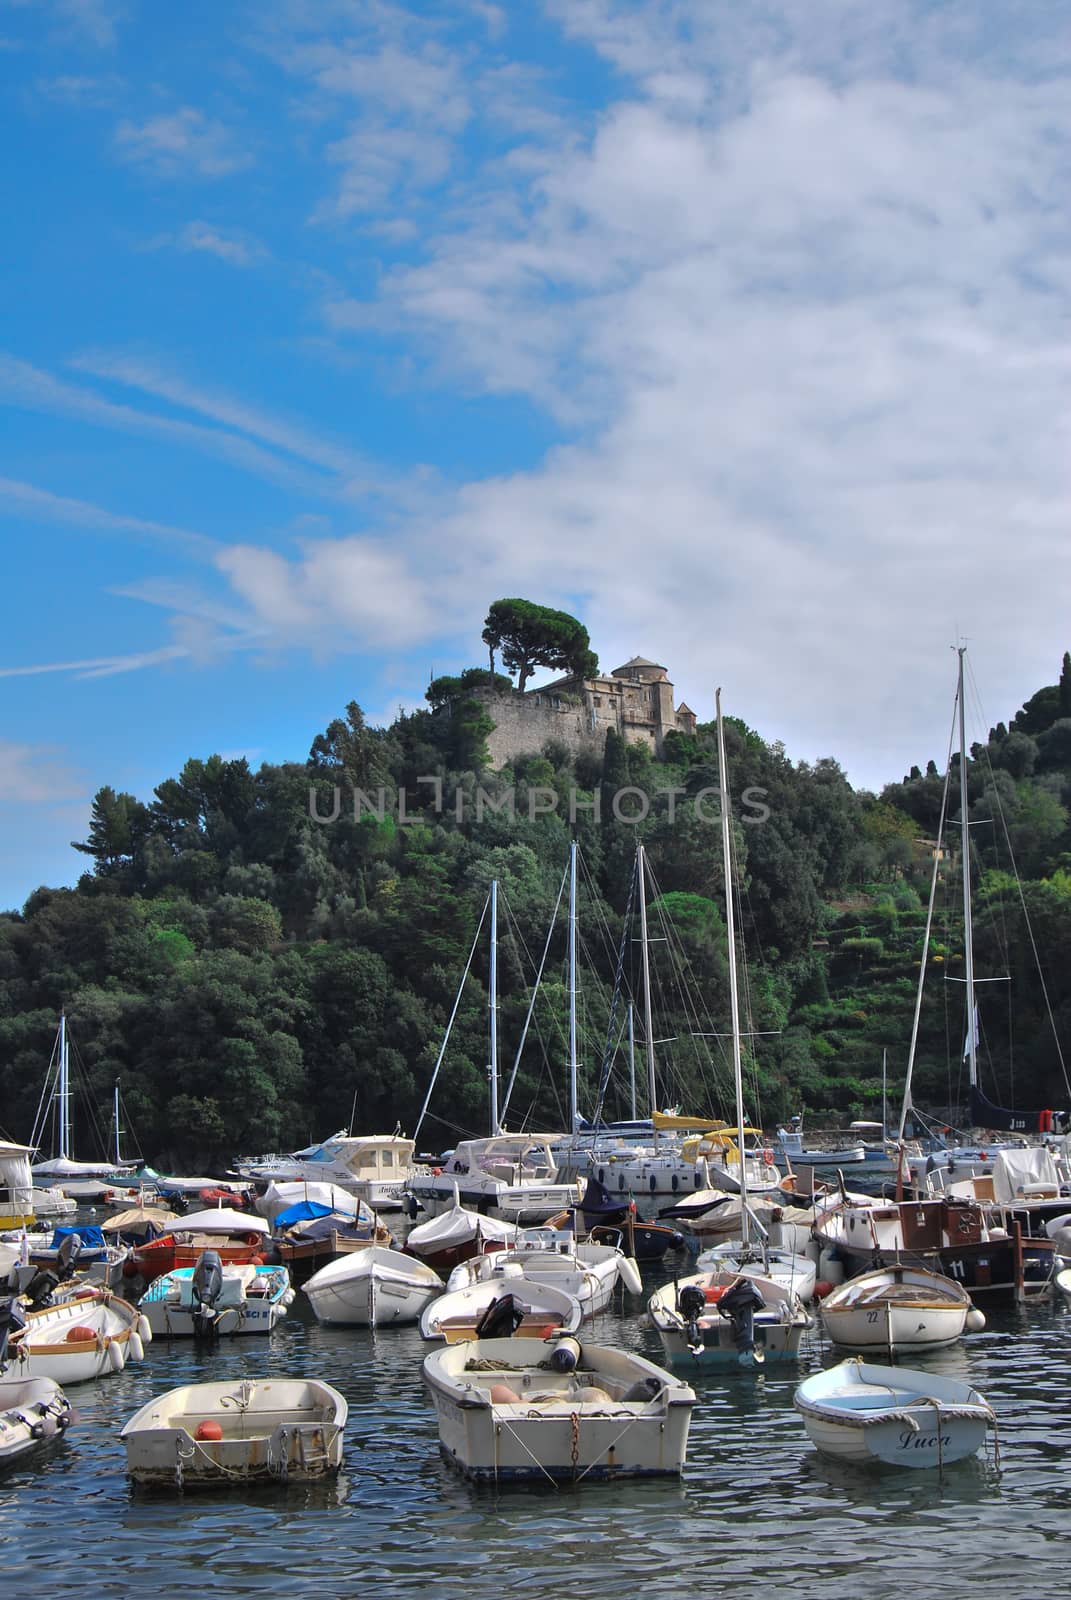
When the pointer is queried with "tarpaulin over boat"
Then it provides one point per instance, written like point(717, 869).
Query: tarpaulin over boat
point(1017, 1172)
point(304, 1211)
point(87, 1235)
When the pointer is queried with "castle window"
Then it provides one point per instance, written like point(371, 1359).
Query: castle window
point(596, 700)
point(539, 699)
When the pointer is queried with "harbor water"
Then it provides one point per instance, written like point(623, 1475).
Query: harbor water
point(756, 1505)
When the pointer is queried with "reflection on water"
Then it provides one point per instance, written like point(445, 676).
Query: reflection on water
point(757, 1504)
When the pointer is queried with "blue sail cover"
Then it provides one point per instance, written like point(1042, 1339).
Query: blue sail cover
point(88, 1235)
point(303, 1211)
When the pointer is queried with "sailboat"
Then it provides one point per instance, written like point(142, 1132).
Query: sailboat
point(725, 1316)
point(512, 1176)
point(62, 1168)
point(948, 1229)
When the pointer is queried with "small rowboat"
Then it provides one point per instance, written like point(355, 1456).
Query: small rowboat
point(862, 1413)
point(534, 1310)
point(88, 1336)
point(898, 1307)
point(371, 1287)
point(513, 1410)
point(216, 1434)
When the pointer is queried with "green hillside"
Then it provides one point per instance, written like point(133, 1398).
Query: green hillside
point(248, 971)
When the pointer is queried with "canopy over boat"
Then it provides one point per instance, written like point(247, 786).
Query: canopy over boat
point(669, 1122)
point(139, 1217)
point(305, 1211)
point(222, 1219)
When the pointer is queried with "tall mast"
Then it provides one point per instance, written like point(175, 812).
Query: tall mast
point(641, 869)
point(573, 1107)
point(730, 933)
point(632, 1060)
point(64, 1093)
point(965, 852)
point(493, 989)
point(118, 1157)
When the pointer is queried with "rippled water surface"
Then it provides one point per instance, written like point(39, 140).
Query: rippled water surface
point(756, 1505)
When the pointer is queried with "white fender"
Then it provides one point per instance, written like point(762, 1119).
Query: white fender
point(629, 1273)
point(830, 1268)
point(116, 1355)
point(144, 1327)
point(975, 1320)
point(135, 1346)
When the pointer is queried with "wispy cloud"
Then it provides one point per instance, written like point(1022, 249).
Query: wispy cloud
point(94, 20)
point(99, 666)
point(205, 238)
point(26, 386)
point(90, 93)
point(36, 774)
point(181, 144)
point(27, 500)
point(287, 436)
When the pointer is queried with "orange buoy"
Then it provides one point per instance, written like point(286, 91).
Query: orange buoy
point(80, 1333)
point(208, 1430)
point(503, 1395)
point(822, 1288)
point(713, 1292)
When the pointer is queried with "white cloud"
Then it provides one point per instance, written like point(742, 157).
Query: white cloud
point(181, 144)
point(35, 775)
point(205, 238)
point(26, 500)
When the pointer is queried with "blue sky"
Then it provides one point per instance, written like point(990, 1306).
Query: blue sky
point(742, 331)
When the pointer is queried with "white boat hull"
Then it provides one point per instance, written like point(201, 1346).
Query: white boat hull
point(710, 1341)
point(453, 1315)
point(866, 1414)
point(33, 1411)
point(287, 1430)
point(372, 1287)
point(561, 1426)
point(44, 1350)
point(896, 1308)
point(253, 1300)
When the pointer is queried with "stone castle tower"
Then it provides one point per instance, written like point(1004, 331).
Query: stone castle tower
point(635, 699)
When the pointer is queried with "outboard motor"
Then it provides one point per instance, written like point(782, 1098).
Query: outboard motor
point(501, 1319)
point(10, 1319)
point(67, 1257)
point(740, 1304)
point(206, 1288)
point(39, 1289)
point(643, 1390)
point(691, 1303)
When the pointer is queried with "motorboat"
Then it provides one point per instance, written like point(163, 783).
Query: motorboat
point(515, 1410)
point(721, 1318)
point(791, 1147)
point(210, 1300)
point(18, 1197)
point(861, 1413)
point(508, 1303)
point(214, 1435)
point(373, 1167)
point(237, 1237)
point(899, 1308)
point(588, 1272)
point(371, 1287)
point(88, 1336)
point(794, 1272)
point(510, 1176)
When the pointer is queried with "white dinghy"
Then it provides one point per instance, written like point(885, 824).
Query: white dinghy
point(899, 1308)
point(88, 1336)
point(904, 1418)
point(794, 1272)
point(588, 1272)
point(508, 1304)
point(215, 1434)
point(371, 1287)
point(514, 1410)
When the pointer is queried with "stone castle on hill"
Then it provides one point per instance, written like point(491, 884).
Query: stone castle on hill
point(636, 700)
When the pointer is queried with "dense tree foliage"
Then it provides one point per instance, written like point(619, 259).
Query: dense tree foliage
point(530, 636)
point(258, 955)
